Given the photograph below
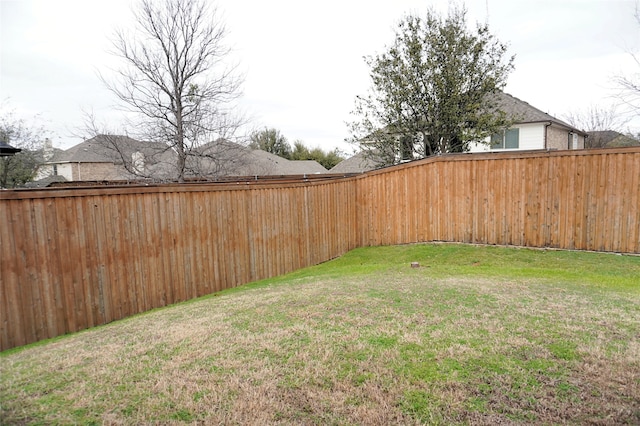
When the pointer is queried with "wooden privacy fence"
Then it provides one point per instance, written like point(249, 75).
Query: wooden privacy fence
point(77, 258)
point(585, 200)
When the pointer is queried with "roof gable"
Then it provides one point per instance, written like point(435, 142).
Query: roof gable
point(522, 112)
point(101, 149)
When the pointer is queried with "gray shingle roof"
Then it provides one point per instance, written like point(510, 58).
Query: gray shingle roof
point(359, 163)
point(225, 158)
point(44, 182)
point(101, 149)
point(611, 138)
point(271, 164)
point(522, 112)
point(218, 158)
point(303, 167)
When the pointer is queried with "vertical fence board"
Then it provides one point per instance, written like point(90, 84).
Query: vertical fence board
point(29, 291)
point(13, 324)
point(87, 260)
point(615, 208)
point(8, 320)
point(42, 257)
point(633, 209)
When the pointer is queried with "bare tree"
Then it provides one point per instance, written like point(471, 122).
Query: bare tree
point(597, 120)
point(175, 80)
point(629, 84)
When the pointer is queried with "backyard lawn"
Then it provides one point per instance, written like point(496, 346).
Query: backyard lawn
point(475, 335)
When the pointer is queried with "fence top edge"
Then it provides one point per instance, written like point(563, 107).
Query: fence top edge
point(501, 155)
point(159, 188)
point(294, 181)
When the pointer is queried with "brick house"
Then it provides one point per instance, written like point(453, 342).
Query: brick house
point(108, 157)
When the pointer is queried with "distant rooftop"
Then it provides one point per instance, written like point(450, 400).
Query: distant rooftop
point(523, 112)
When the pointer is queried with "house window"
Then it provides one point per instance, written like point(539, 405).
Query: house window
point(509, 139)
point(55, 170)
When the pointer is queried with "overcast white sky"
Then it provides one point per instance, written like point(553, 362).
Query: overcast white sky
point(303, 60)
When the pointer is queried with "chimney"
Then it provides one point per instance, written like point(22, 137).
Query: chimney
point(47, 150)
point(137, 161)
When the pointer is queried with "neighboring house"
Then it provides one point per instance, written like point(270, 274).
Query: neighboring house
point(224, 158)
point(610, 139)
point(96, 159)
point(532, 129)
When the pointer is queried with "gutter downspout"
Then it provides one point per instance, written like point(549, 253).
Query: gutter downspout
point(546, 128)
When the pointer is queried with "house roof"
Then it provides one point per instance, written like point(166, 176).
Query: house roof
point(310, 166)
point(158, 158)
point(217, 158)
point(522, 112)
point(44, 182)
point(613, 139)
point(263, 162)
point(605, 136)
point(358, 163)
point(225, 158)
point(101, 149)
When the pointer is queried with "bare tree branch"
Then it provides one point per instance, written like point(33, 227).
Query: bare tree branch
point(629, 84)
point(596, 119)
point(175, 80)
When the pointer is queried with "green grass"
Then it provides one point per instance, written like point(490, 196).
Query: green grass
point(608, 271)
point(476, 335)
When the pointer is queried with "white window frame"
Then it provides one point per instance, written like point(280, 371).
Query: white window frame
point(499, 140)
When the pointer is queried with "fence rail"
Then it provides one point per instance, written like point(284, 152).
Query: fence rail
point(76, 258)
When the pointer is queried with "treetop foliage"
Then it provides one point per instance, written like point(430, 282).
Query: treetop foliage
point(271, 140)
point(431, 89)
point(18, 169)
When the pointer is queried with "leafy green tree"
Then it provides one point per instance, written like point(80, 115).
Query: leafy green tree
point(328, 159)
point(300, 151)
point(18, 169)
point(431, 90)
point(271, 140)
